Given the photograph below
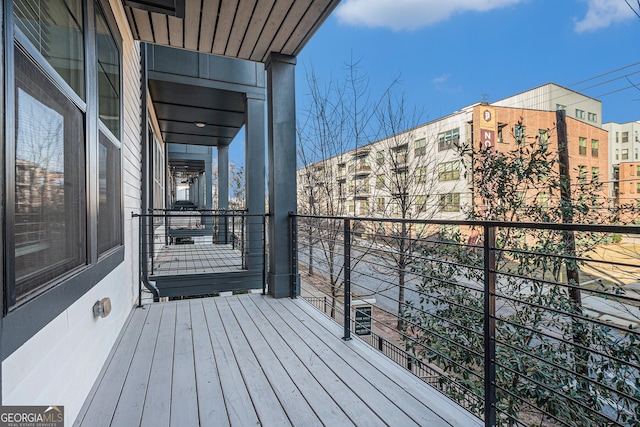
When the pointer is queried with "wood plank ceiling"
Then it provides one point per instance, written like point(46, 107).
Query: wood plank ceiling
point(244, 29)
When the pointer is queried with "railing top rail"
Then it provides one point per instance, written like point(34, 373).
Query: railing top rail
point(622, 229)
point(199, 213)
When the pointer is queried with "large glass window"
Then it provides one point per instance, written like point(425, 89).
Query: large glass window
point(109, 211)
point(449, 139)
point(108, 74)
point(55, 28)
point(449, 171)
point(450, 202)
point(50, 201)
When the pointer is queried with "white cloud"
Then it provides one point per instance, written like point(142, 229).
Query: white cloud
point(602, 13)
point(440, 79)
point(410, 14)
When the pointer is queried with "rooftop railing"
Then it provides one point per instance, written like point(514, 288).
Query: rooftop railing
point(521, 324)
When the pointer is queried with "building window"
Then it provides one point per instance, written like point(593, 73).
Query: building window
point(543, 200)
point(592, 117)
point(582, 146)
point(617, 154)
point(50, 210)
point(582, 174)
point(519, 133)
point(625, 154)
point(638, 187)
point(449, 171)
point(380, 180)
point(595, 175)
point(421, 203)
point(450, 202)
point(381, 204)
point(363, 207)
point(421, 147)
point(380, 158)
point(594, 147)
point(543, 137)
point(108, 74)
point(617, 136)
point(352, 207)
point(421, 175)
point(54, 190)
point(625, 137)
point(638, 170)
point(401, 154)
point(449, 139)
point(579, 113)
point(158, 175)
point(109, 208)
point(55, 29)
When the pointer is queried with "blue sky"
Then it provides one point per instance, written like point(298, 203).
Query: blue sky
point(450, 53)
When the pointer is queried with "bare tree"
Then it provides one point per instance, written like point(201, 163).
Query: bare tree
point(237, 187)
point(342, 116)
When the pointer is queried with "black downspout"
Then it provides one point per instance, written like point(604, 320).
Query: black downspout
point(144, 134)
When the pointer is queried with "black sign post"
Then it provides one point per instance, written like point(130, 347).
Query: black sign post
point(363, 320)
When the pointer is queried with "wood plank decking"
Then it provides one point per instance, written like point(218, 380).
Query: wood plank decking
point(196, 259)
point(254, 360)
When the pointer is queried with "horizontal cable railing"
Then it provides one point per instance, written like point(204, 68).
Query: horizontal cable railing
point(178, 245)
point(507, 319)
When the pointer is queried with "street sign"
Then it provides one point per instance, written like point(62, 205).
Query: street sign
point(363, 320)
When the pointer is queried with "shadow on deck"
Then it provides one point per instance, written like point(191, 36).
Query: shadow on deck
point(254, 360)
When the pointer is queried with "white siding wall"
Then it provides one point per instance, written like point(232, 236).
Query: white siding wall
point(59, 365)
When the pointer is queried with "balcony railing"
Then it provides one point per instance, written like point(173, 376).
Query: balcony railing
point(510, 320)
point(201, 252)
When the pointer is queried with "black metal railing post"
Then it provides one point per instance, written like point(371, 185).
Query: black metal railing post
point(293, 221)
point(347, 280)
point(142, 261)
point(489, 326)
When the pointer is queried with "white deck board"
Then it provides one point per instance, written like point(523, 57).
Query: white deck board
point(254, 360)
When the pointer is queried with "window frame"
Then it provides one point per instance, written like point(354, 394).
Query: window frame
point(23, 320)
point(595, 146)
point(449, 202)
point(582, 146)
point(443, 172)
point(420, 147)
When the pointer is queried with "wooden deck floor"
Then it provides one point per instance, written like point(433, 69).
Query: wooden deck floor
point(196, 258)
point(254, 360)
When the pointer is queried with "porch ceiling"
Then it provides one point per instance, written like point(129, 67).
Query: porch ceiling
point(244, 29)
point(180, 107)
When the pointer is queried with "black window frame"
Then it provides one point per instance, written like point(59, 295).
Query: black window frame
point(22, 321)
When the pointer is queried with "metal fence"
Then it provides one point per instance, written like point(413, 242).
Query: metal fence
point(199, 252)
point(522, 324)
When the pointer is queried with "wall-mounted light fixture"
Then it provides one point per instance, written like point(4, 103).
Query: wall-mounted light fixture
point(200, 124)
point(102, 308)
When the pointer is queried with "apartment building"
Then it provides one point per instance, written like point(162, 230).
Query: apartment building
point(423, 172)
point(624, 165)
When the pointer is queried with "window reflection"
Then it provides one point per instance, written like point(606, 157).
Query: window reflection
point(55, 29)
point(108, 75)
point(49, 181)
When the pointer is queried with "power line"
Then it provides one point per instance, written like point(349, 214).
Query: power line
point(604, 74)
